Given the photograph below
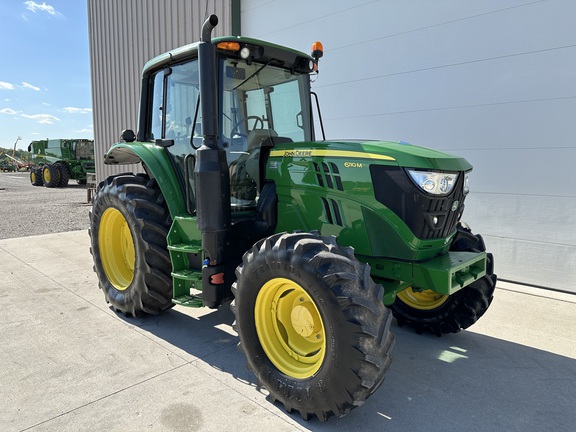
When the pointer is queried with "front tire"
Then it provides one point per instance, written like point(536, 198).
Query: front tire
point(51, 175)
point(440, 314)
point(312, 324)
point(64, 174)
point(129, 222)
point(36, 177)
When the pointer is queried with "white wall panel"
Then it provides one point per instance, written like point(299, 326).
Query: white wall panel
point(492, 81)
point(124, 35)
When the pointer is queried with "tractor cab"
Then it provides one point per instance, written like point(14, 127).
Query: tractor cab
point(263, 95)
point(210, 114)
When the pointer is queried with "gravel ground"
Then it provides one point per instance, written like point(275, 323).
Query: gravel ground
point(27, 210)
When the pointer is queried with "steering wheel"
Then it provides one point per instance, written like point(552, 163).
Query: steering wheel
point(257, 120)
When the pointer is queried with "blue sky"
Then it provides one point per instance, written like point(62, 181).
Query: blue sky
point(44, 71)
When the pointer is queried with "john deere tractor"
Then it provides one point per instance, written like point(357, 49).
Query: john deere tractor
point(317, 244)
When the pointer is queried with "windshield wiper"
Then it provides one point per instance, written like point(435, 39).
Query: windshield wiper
point(253, 75)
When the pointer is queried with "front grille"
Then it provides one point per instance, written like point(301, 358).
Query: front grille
point(428, 217)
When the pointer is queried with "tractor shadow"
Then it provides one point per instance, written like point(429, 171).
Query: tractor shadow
point(200, 335)
point(74, 185)
point(466, 381)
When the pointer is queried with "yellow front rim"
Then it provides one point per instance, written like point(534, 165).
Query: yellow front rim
point(290, 328)
point(116, 249)
point(422, 300)
point(46, 174)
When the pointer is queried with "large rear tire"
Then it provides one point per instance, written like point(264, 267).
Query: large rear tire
point(64, 174)
point(51, 175)
point(312, 324)
point(427, 310)
point(129, 222)
point(36, 177)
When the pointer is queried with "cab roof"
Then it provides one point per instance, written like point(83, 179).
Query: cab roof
point(261, 51)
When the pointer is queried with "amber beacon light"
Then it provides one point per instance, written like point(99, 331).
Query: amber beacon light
point(317, 50)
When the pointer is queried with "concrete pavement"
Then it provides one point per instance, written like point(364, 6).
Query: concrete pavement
point(69, 363)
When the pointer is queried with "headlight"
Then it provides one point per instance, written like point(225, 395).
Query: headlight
point(435, 183)
point(466, 185)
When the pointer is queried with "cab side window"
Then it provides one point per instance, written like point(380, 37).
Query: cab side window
point(156, 107)
point(174, 117)
point(175, 99)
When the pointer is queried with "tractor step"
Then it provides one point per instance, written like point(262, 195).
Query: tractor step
point(188, 301)
point(183, 282)
point(188, 275)
point(186, 248)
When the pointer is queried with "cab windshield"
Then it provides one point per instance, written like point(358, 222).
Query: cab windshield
point(262, 104)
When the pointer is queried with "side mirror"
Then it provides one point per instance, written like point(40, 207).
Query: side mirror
point(128, 135)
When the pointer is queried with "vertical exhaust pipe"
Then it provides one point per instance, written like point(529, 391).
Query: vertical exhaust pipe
point(211, 177)
point(208, 83)
point(207, 28)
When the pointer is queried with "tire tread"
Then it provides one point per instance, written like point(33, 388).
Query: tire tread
point(361, 308)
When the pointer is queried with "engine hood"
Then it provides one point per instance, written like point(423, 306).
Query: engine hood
point(393, 153)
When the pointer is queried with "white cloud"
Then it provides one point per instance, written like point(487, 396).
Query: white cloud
point(73, 110)
point(8, 111)
point(34, 7)
point(30, 86)
point(6, 86)
point(42, 118)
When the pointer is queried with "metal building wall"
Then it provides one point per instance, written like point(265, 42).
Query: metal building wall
point(124, 35)
point(492, 81)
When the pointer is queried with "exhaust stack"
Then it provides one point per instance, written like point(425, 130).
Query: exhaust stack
point(211, 177)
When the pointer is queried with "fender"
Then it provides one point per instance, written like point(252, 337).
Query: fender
point(157, 164)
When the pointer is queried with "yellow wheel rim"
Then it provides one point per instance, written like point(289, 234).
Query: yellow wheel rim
point(46, 174)
point(422, 300)
point(116, 249)
point(33, 177)
point(290, 328)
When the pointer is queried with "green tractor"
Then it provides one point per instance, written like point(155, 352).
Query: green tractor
point(57, 161)
point(316, 244)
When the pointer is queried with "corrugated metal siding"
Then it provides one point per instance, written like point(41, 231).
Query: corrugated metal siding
point(124, 35)
point(492, 81)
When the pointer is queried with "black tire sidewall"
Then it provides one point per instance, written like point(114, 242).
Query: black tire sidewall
point(104, 202)
point(34, 178)
point(332, 379)
point(64, 174)
point(134, 299)
point(54, 175)
point(464, 307)
point(441, 316)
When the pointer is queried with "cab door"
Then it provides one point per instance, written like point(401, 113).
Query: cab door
point(175, 119)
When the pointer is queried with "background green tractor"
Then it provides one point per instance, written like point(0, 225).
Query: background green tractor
point(56, 161)
point(316, 243)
